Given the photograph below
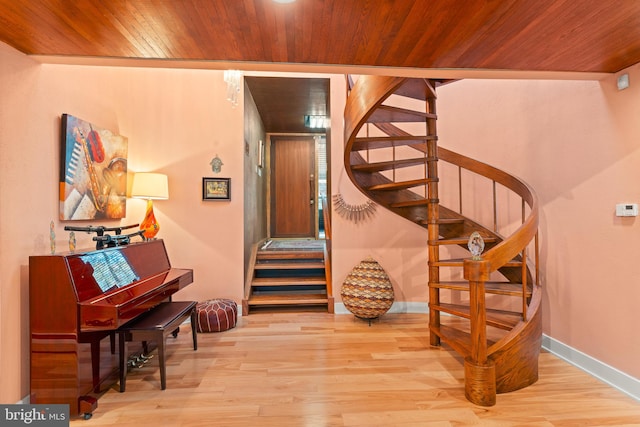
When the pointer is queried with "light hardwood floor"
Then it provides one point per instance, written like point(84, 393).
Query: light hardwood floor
point(317, 369)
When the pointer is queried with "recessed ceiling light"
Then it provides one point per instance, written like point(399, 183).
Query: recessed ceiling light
point(284, 1)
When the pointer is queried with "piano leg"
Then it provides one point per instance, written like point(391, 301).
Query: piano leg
point(95, 364)
point(86, 405)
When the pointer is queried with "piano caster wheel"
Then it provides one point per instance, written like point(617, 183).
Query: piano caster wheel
point(87, 416)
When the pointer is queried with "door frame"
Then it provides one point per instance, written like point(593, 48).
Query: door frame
point(316, 200)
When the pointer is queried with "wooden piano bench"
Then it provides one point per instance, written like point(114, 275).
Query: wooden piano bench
point(155, 325)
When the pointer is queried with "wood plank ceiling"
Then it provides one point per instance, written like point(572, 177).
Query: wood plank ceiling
point(583, 36)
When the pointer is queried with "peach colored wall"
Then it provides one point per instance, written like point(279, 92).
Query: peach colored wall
point(176, 122)
point(577, 143)
point(398, 245)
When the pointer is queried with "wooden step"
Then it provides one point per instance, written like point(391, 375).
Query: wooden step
point(418, 89)
point(264, 299)
point(413, 203)
point(462, 240)
point(377, 142)
point(502, 319)
point(275, 254)
point(389, 165)
point(497, 288)
point(402, 185)
point(445, 221)
point(455, 262)
point(289, 281)
point(458, 340)
point(389, 114)
point(275, 265)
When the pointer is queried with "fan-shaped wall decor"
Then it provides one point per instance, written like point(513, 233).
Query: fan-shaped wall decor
point(351, 212)
point(367, 291)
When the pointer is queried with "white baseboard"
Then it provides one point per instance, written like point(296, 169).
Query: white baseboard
point(605, 373)
point(396, 307)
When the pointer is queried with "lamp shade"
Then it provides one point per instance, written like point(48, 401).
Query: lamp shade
point(147, 185)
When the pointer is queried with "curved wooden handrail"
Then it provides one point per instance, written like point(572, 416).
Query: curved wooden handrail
point(360, 107)
point(510, 247)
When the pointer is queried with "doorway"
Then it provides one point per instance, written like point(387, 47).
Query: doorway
point(293, 187)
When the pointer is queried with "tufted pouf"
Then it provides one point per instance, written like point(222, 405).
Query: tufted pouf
point(216, 315)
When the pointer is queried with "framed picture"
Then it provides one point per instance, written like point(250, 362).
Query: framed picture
point(93, 172)
point(216, 188)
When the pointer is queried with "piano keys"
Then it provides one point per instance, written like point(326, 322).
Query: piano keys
point(76, 302)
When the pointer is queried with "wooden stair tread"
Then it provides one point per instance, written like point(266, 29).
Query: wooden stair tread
point(453, 262)
point(401, 185)
point(458, 340)
point(307, 254)
point(497, 318)
point(497, 288)
point(450, 221)
point(288, 265)
point(287, 299)
point(390, 114)
point(461, 240)
point(288, 281)
point(390, 164)
point(459, 262)
point(377, 142)
point(416, 89)
point(410, 203)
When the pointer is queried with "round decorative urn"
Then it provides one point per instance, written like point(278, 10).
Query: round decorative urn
point(367, 291)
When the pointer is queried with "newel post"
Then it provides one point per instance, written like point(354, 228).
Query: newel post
point(479, 372)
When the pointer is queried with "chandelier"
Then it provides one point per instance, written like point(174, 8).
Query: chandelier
point(232, 78)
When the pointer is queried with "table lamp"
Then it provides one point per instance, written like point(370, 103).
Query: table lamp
point(150, 186)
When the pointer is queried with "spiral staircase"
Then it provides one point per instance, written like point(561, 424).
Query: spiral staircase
point(484, 306)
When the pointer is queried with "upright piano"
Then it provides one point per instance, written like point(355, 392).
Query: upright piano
point(76, 302)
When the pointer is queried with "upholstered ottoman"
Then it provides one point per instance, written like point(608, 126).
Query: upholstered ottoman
point(216, 315)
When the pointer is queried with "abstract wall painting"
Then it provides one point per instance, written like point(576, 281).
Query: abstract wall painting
point(93, 171)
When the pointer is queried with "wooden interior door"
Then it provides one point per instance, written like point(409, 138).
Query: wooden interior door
point(293, 191)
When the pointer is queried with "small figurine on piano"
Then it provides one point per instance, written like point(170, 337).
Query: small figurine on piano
point(107, 240)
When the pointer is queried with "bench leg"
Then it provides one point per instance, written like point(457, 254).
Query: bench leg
point(123, 365)
point(163, 379)
point(194, 332)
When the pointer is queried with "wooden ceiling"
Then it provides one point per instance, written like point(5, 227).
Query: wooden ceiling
point(283, 102)
point(578, 36)
point(556, 35)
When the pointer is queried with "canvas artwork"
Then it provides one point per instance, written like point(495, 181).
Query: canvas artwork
point(93, 171)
